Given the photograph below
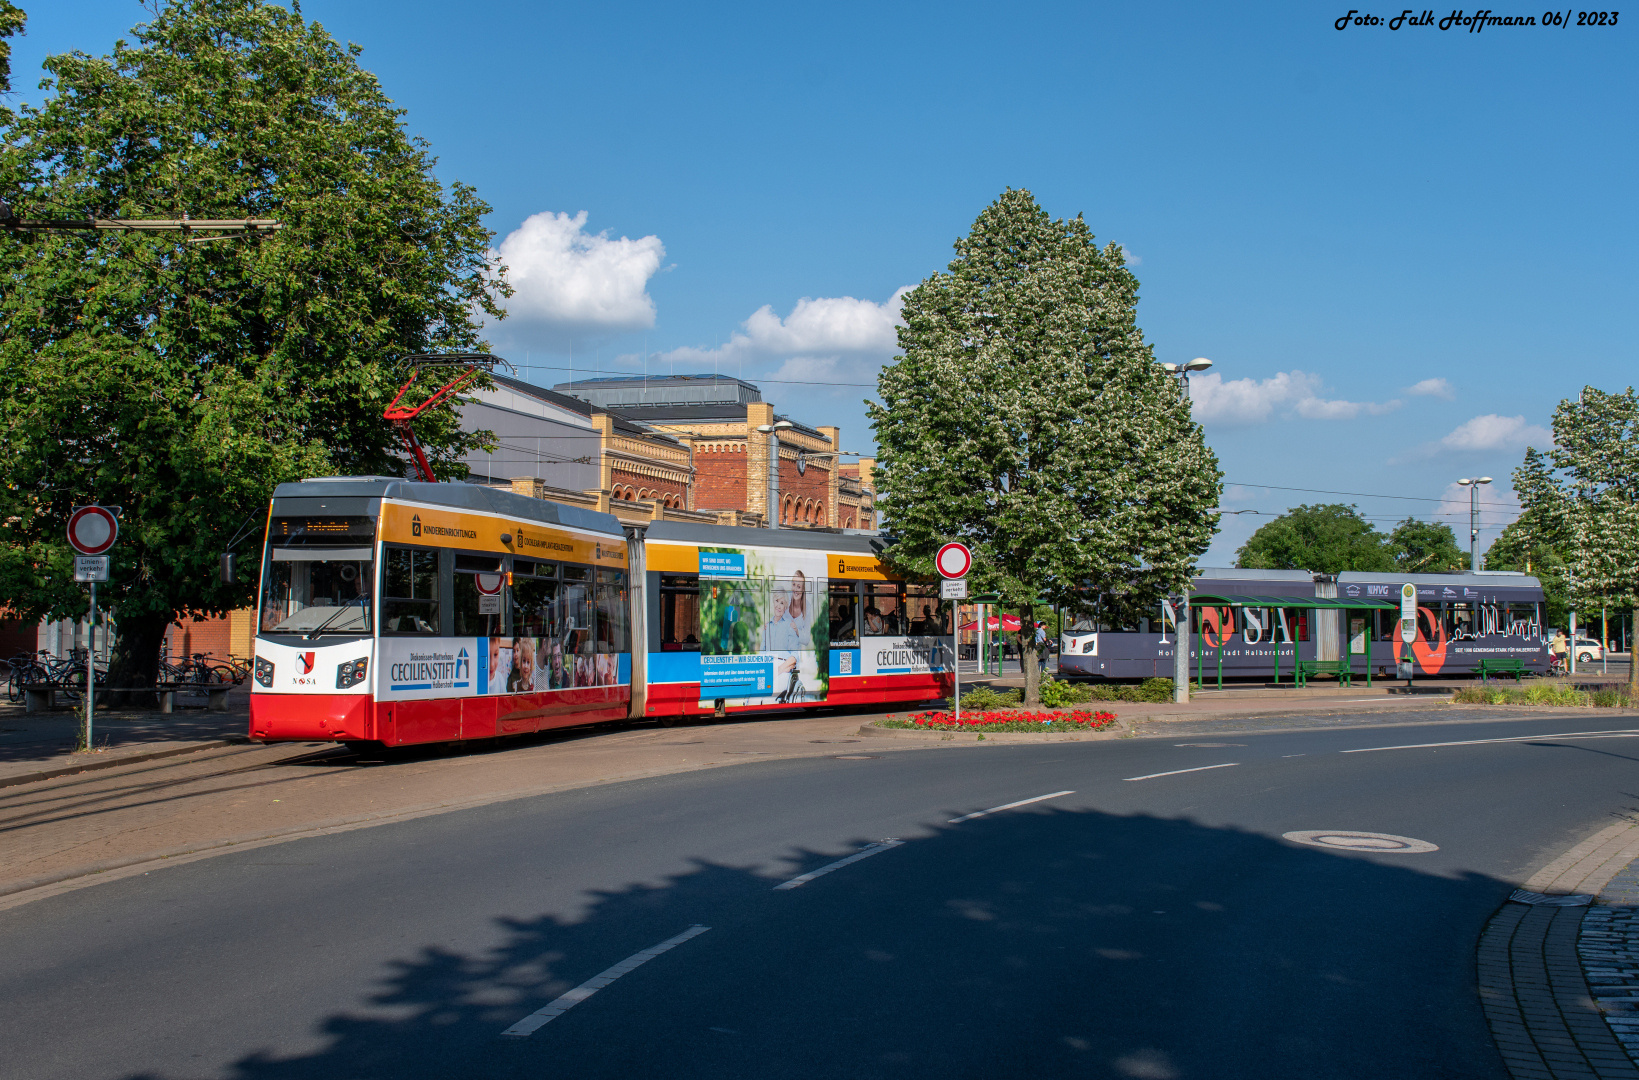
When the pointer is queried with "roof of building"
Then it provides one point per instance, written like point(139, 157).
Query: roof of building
point(626, 391)
point(624, 423)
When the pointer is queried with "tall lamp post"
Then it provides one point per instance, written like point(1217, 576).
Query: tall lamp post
point(1180, 653)
point(1473, 483)
point(773, 432)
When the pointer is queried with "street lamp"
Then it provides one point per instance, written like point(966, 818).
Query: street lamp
point(1200, 363)
point(1473, 486)
point(773, 432)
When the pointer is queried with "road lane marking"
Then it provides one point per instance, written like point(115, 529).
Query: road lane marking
point(543, 1016)
point(1619, 733)
point(1007, 806)
point(863, 853)
point(1176, 772)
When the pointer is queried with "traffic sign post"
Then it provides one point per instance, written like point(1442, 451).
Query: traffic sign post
point(953, 561)
point(92, 530)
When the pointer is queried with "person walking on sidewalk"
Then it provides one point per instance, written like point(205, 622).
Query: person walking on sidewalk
point(1041, 646)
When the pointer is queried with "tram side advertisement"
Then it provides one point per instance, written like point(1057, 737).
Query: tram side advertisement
point(764, 635)
point(480, 666)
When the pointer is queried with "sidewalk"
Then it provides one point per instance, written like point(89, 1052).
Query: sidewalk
point(35, 746)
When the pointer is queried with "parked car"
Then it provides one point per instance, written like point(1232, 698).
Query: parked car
point(1588, 650)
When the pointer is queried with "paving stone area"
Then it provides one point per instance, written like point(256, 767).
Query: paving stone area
point(1539, 994)
point(1318, 719)
point(1609, 949)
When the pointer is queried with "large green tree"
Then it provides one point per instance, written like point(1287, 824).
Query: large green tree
point(1027, 418)
point(1425, 547)
point(1326, 538)
point(183, 376)
point(1582, 496)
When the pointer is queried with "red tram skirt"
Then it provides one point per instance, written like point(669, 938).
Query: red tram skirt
point(359, 717)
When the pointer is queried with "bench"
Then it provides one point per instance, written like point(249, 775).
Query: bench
point(42, 696)
point(1339, 668)
point(217, 700)
point(1507, 665)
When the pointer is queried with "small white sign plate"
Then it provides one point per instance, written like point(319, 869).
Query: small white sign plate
point(90, 568)
point(489, 605)
point(953, 589)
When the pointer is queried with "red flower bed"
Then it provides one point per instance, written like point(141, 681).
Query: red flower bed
point(1011, 719)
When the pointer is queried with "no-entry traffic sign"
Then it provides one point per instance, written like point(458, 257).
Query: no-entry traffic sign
point(93, 529)
point(953, 561)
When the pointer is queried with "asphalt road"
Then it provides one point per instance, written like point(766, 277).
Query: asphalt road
point(1151, 928)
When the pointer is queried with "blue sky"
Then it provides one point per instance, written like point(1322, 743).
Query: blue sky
point(1400, 248)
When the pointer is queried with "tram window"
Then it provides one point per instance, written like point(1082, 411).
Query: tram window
point(1388, 624)
point(611, 624)
point(533, 603)
point(317, 591)
point(577, 626)
point(1522, 619)
point(479, 563)
point(1459, 621)
point(927, 613)
point(844, 613)
point(885, 610)
point(532, 568)
point(471, 620)
point(409, 602)
point(1082, 623)
point(680, 613)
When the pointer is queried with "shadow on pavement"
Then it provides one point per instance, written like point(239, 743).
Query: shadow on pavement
point(27, 737)
point(1030, 944)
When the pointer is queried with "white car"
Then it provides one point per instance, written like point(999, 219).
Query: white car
point(1588, 650)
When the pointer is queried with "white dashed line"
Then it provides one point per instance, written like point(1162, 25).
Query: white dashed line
point(1621, 733)
point(1176, 772)
point(541, 1017)
point(863, 853)
point(1007, 806)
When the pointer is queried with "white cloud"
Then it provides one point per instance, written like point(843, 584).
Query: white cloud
point(569, 280)
point(1493, 432)
point(1132, 257)
point(1439, 388)
point(816, 340)
point(1252, 401)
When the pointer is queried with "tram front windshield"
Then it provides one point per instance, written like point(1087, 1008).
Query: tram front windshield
point(313, 590)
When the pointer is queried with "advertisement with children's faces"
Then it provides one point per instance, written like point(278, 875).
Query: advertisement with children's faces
point(764, 636)
point(522, 665)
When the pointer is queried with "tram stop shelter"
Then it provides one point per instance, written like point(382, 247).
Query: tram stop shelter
point(1343, 668)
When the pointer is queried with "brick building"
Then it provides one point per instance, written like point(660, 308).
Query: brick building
point(717, 416)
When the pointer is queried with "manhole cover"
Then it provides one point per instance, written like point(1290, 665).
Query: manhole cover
point(1349, 840)
point(854, 757)
point(1211, 744)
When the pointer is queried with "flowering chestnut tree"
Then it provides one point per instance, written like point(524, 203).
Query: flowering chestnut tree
point(1026, 417)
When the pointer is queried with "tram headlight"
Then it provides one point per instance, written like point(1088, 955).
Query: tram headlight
point(352, 673)
point(264, 672)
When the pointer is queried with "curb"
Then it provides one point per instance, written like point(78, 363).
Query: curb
point(114, 763)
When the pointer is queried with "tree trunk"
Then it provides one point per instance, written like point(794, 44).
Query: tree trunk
point(135, 662)
point(1029, 662)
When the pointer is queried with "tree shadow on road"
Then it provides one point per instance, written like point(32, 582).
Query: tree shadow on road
point(1029, 944)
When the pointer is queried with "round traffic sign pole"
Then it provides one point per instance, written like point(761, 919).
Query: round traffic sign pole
point(92, 530)
point(953, 561)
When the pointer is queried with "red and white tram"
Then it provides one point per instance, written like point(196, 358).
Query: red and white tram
point(400, 612)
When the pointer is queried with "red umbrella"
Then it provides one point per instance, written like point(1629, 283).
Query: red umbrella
point(1008, 622)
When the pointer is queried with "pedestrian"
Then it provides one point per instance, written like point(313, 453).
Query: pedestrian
point(1557, 649)
point(1041, 646)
